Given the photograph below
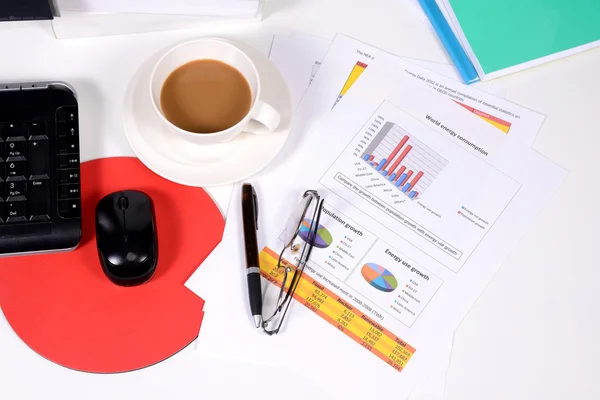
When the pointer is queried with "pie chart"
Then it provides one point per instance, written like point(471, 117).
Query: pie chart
point(379, 277)
point(323, 238)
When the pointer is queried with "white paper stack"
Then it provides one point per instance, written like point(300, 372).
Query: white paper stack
point(352, 99)
point(216, 8)
point(86, 18)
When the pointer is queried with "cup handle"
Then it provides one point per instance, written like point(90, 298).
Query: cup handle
point(267, 117)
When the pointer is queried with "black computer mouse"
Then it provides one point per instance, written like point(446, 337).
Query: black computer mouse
point(126, 237)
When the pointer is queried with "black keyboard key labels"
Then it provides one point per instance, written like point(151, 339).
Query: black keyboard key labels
point(14, 148)
point(15, 191)
point(68, 176)
point(67, 132)
point(68, 161)
point(68, 145)
point(69, 208)
point(13, 129)
point(37, 128)
point(70, 132)
point(16, 169)
point(66, 192)
point(39, 159)
point(67, 114)
point(15, 211)
point(37, 200)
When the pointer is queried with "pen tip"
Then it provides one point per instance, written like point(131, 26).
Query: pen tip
point(257, 320)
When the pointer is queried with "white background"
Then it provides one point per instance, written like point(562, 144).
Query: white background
point(534, 332)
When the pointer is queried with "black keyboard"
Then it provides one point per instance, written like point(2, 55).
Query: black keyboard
point(40, 199)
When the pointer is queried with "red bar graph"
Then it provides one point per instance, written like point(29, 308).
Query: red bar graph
point(402, 155)
point(408, 175)
point(414, 181)
point(393, 154)
point(399, 173)
point(401, 160)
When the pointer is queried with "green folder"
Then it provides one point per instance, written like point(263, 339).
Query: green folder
point(505, 36)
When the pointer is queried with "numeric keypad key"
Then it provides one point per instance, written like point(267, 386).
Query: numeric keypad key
point(15, 148)
point(15, 191)
point(15, 211)
point(38, 200)
point(16, 169)
point(39, 157)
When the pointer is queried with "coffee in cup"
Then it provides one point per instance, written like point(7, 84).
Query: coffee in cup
point(208, 91)
point(205, 96)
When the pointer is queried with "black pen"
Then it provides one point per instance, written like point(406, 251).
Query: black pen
point(250, 223)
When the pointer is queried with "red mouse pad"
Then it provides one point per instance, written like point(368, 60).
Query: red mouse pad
point(65, 308)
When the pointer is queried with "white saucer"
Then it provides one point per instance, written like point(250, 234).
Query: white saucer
point(190, 164)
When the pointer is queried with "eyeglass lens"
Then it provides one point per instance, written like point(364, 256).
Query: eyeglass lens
point(299, 233)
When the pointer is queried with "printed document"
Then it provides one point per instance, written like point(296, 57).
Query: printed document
point(423, 204)
point(298, 57)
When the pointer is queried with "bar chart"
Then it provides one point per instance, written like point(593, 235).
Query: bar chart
point(403, 160)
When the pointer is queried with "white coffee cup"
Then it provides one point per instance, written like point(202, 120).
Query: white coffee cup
point(216, 49)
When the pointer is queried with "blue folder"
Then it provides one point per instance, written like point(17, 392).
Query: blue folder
point(462, 62)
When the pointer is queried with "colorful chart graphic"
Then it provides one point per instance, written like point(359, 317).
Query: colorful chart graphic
point(360, 67)
point(501, 124)
point(356, 72)
point(399, 157)
point(379, 277)
point(323, 238)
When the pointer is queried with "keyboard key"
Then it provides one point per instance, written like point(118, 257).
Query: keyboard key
point(61, 115)
point(68, 192)
point(15, 147)
point(68, 176)
point(35, 138)
point(69, 208)
point(72, 132)
point(39, 159)
point(13, 129)
point(37, 200)
point(2, 215)
point(66, 131)
point(37, 128)
point(16, 170)
point(1, 150)
point(39, 218)
point(15, 191)
point(68, 145)
point(61, 128)
point(68, 161)
point(67, 114)
point(15, 211)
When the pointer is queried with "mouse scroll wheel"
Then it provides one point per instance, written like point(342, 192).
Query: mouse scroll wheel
point(123, 203)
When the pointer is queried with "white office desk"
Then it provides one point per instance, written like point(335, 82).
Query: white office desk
point(534, 332)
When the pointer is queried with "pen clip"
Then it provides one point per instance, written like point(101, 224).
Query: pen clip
point(255, 204)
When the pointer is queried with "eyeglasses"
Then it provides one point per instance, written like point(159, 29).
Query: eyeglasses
point(298, 237)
